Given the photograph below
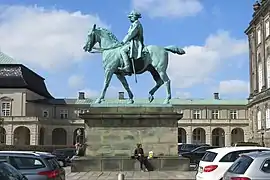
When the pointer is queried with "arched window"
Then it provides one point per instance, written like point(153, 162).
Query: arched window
point(267, 118)
point(5, 106)
point(259, 119)
point(260, 73)
point(268, 66)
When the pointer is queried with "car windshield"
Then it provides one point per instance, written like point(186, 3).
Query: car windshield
point(241, 165)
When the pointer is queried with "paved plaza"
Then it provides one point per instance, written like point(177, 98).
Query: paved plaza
point(187, 175)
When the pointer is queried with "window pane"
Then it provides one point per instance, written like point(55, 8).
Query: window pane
point(266, 166)
point(26, 163)
point(267, 33)
point(7, 170)
point(209, 157)
point(241, 165)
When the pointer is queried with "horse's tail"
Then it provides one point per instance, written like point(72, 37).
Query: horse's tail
point(175, 50)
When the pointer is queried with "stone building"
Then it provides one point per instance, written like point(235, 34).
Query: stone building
point(31, 116)
point(258, 34)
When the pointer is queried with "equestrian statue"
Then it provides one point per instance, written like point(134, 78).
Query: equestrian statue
point(131, 56)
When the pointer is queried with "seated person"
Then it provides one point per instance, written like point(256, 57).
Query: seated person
point(139, 155)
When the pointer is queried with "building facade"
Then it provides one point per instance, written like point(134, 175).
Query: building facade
point(258, 34)
point(31, 116)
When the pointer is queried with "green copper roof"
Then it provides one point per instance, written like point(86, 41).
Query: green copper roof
point(144, 102)
point(175, 101)
point(5, 59)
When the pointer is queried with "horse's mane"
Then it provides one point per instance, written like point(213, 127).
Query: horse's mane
point(109, 33)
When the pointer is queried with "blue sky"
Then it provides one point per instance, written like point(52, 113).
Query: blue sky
point(48, 35)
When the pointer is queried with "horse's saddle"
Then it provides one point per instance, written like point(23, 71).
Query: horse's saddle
point(139, 64)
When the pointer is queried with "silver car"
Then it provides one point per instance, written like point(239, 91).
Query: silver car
point(254, 165)
point(34, 165)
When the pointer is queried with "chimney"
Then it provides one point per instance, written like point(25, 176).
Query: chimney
point(81, 95)
point(121, 95)
point(216, 96)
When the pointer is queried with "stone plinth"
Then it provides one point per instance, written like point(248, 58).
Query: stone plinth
point(86, 164)
point(115, 131)
point(112, 133)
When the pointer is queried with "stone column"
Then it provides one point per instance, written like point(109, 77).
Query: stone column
point(48, 135)
point(208, 135)
point(254, 60)
point(34, 135)
point(189, 134)
point(208, 138)
point(250, 38)
point(69, 136)
point(228, 141)
point(9, 134)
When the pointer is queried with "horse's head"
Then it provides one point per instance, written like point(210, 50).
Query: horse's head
point(105, 38)
point(91, 39)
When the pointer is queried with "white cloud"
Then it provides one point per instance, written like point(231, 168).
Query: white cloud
point(46, 38)
point(233, 87)
point(76, 81)
point(168, 8)
point(199, 62)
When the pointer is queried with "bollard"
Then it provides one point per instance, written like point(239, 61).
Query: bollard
point(121, 176)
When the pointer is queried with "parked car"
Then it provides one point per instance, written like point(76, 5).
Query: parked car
point(196, 154)
point(254, 165)
point(246, 144)
point(8, 172)
point(217, 161)
point(182, 147)
point(64, 155)
point(35, 165)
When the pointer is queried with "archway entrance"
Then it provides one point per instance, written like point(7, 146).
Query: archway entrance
point(2, 135)
point(59, 136)
point(182, 135)
point(198, 136)
point(237, 135)
point(218, 137)
point(21, 136)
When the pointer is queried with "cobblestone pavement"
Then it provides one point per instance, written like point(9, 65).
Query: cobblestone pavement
point(137, 175)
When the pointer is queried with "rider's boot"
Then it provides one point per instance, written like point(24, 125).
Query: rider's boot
point(126, 68)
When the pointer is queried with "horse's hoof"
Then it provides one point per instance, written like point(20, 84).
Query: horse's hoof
point(130, 101)
point(166, 101)
point(151, 98)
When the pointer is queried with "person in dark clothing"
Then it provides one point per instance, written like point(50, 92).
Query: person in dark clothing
point(139, 155)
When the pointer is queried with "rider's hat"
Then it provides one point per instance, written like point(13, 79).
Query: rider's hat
point(134, 13)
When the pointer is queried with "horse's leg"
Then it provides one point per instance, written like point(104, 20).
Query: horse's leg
point(167, 83)
point(107, 80)
point(158, 81)
point(124, 82)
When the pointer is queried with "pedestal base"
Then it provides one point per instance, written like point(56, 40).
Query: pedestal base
point(115, 131)
point(86, 164)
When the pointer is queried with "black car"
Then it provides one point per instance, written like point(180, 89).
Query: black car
point(196, 154)
point(64, 155)
point(183, 148)
point(8, 172)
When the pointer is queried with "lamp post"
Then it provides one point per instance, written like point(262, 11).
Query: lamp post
point(262, 133)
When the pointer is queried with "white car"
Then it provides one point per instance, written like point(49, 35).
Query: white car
point(217, 161)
